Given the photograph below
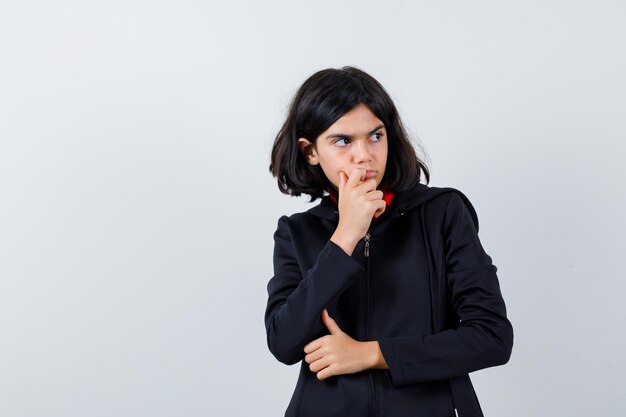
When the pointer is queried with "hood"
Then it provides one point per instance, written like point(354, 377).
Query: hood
point(403, 201)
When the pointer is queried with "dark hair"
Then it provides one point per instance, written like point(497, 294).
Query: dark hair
point(321, 100)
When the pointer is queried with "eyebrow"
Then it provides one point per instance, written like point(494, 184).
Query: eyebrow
point(343, 135)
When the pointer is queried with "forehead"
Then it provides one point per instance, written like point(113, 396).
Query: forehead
point(359, 120)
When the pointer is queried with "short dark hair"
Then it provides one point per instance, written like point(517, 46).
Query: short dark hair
point(321, 100)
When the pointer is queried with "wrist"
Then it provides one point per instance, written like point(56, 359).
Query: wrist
point(347, 243)
point(375, 356)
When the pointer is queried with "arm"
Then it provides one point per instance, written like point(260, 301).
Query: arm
point(295, 302)
point(485, 335)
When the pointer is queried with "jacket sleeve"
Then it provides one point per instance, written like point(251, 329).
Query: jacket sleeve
point(295, 302)
point(484, 337)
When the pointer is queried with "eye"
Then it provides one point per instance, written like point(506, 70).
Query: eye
point(340, 139)
point(378, 136)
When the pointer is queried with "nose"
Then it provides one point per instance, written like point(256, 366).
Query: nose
point(361, 151)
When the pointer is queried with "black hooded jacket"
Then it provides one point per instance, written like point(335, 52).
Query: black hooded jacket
point(426, 291)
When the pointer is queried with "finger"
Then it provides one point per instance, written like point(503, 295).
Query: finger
point(332, 326)
point(355, 176)
point(374, 195)
point(319, 365)
point(366, 186)
point(313, 346)
point(381, 209)
point(343, 178)
point(314, 356)
point(325, 373)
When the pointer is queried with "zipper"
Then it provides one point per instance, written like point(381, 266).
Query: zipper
point(372, 387)
point(452, 406)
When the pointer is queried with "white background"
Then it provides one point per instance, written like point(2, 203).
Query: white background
point(137, 209)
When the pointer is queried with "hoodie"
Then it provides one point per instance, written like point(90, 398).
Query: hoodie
point(420, 283)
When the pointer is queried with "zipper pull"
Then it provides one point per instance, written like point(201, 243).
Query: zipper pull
point(367, 244)
point(455, 413)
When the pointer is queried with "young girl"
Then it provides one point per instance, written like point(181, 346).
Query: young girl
point(383, 291)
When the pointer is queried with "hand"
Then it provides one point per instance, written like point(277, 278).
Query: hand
point(359, 201)
point(338, 353)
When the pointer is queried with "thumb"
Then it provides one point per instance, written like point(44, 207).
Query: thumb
point(342, 180)
point(332, 326)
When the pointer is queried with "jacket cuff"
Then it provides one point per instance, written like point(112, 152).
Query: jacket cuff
point(348, 263)
point(395, 370)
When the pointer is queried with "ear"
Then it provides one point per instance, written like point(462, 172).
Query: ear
point(308, 150)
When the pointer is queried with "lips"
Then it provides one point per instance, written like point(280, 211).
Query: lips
point(370, 173)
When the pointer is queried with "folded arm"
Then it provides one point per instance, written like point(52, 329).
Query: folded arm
point(295, 302)
point(484, 337)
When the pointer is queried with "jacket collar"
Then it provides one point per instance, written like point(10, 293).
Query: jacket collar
point(400, 202)
point(387, 195)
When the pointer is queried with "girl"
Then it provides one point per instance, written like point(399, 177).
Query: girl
point(383, 291)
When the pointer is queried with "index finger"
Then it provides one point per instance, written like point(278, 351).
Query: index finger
point(313, 346)
point(355, 176)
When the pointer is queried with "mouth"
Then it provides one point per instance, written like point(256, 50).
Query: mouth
point(370, 173)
